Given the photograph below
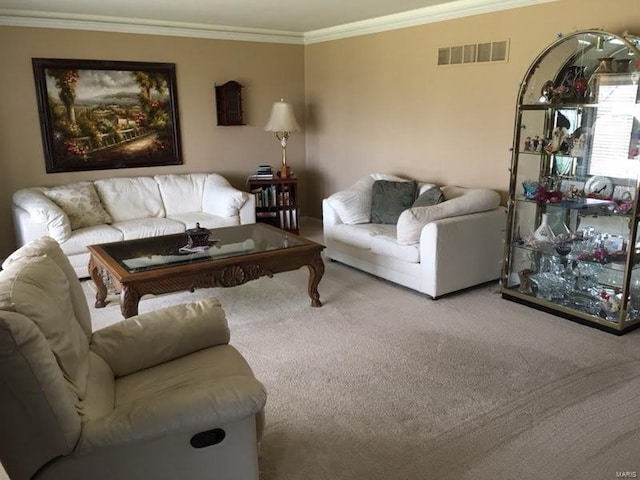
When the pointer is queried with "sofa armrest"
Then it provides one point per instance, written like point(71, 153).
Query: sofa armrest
point(248, 211)
point(25, 227)
point(42, 211)
point(412, 220)
point(330, 217)
point(458, 252)
point(149, 339)
point(186, 409)
point(221, 198)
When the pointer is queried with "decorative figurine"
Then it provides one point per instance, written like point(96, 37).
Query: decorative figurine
point(198, 237)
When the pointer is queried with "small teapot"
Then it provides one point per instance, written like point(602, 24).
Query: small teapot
point(198, 237)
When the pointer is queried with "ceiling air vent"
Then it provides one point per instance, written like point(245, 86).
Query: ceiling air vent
point(474, 53)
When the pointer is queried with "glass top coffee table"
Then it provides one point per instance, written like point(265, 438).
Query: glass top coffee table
point(232, 256)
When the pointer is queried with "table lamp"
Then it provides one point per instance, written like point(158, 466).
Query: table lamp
point(282, 122)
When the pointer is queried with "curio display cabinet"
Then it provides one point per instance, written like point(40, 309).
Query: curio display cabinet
point(572, 246)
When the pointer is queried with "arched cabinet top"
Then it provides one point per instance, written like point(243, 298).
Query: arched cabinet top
point(567, 70)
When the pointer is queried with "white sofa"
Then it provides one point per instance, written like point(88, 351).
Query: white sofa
point(434, 249)
point(116, 209)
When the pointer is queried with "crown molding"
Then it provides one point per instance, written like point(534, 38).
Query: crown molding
point(436, 13)
point(412, 18)
point(23, 18)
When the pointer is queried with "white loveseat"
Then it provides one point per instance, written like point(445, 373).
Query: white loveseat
point(116, 209)
point(434, 249)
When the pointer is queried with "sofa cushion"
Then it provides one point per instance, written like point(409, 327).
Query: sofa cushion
point(79, 239)
point(101, 388)
point(81, 203)
point(130, 198)
point(430, 196)
point(181, 193)
point(390, 198)
point(38, 289)
point(206, 220)
point(463, 201)
point(361, 235)
point(148, 227)
point(387, 245)
point(220, 198)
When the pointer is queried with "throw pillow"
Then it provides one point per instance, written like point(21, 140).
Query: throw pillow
point(353, 205)
point(81, 203)
point(389, 199)
point(431, 196)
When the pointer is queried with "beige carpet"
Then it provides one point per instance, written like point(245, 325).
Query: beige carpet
point(384, 383)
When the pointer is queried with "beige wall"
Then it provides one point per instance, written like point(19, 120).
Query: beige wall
point(376, 103)
point(268, 72)
point(379, 103)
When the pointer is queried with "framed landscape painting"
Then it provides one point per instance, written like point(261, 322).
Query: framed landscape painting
point(97, 115)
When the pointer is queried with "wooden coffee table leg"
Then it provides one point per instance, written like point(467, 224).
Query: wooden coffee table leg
point(101, 288)
point(129, 299)
point(316, 270)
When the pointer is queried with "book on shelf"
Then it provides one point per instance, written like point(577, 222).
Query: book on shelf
point(263, 172)
point(269, 214)
point(265, 196)
point(257, 192)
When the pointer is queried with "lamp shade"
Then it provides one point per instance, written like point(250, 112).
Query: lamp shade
point(282, 118)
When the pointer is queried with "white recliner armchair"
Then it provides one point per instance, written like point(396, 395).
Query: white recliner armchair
point(161, 395)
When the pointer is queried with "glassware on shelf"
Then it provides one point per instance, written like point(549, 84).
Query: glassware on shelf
point(543, 233)
point(634, 294)
point(550, 263)
point(562, 165)
point(550, 286)
point(633, 305)
point(563, 248)
point(587, 276)
point(525, 283)
point(583, 303)
point(530, 187)
point(563, 234)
